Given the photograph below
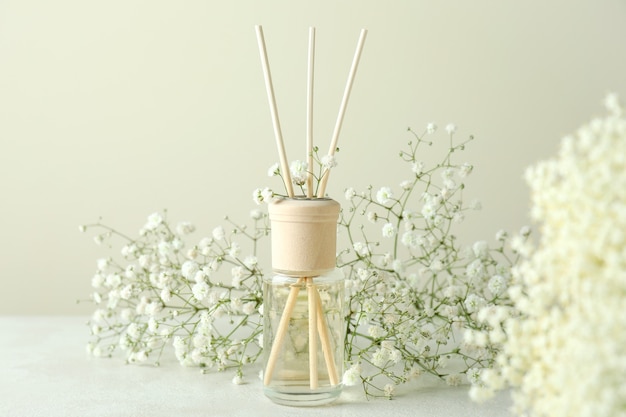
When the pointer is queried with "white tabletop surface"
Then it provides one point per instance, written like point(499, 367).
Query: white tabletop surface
point(45, 371)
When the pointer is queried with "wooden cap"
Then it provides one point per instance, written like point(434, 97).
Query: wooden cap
point(304, 235)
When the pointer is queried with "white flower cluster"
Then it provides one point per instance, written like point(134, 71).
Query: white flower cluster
point(163, 292)
point(564, 347)
point(411, 285)
point(299, 171)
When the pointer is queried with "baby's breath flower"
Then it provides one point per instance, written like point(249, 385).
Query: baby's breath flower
point(454, 380)
point(329, 161)
point(189, 269)
point(481, 249)
point(200, 290)
point(562, 333)
point(501, 235)
point(406, 185)
point(350, 194)
point(411, 238)
point(352, 376)
point(474, 303)
point(384, 196)
point(256, 214)
point(166, 295)
point(235, 250)
point(361, 248)
point(250, 261)
point(429, 210)
point(185, 228)
point(417, 167)
point(249, 308)
point(219, 233)
point(273, 170)
point(389, 230)
point(376, 332)
point(497, 285)
point(154, 221)
point(262, 195)
point(465, 170)
point(298, 172)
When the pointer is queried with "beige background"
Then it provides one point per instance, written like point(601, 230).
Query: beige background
point(122, 108)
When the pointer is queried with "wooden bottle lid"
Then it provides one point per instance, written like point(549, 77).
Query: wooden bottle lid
point(304, 235)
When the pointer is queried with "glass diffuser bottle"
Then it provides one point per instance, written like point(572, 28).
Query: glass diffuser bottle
point(303, 304)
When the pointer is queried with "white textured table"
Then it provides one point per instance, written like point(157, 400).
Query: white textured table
point(44, 371)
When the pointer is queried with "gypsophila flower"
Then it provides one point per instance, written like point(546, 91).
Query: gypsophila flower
point(474, 303)
point(389, 230)
point(189, 268)
point(454, 380)
point(406, 185)
point(417, 167)
point(219, 233)
point(329, 161)
point(249, 308)
point(429, 210)
point(465, 170)
point(273, 170)
point(450, 128)
point(262, 195)
point(411, 239)
point(237, 275)
point(481, 249)
point(185, 228)
point(475, 270)
point(250, 261)
point(349, 194)
point(431, 128)
point(352, 376)
point(561, 344)
point(389, 390)
point(154, 220)
point(612, 104)
point(496, 284)
point(299, 172)
point(384, 196)
point(361, 248)
point(376, 332)
point(234, 250)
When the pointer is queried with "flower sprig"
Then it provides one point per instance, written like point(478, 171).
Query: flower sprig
point(412, 288)
point(562, 345)
point(202, 298)
point(299, 172)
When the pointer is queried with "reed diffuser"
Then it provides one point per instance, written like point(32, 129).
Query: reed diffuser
point(304, 299)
